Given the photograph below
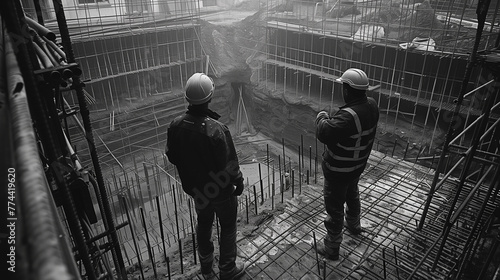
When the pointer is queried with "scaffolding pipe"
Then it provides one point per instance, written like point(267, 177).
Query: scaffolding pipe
point(469, 197)
point(102, 195)
point(468, 161)
point(48, 255)
point(465, 130)
point(481, 12)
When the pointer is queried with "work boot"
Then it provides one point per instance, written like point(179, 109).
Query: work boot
point(207, 265)
point(235, 274)
point(357, 230)
point(331, 254)
point(210, 275)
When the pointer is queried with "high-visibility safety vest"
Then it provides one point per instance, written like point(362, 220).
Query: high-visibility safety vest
point(349, 136)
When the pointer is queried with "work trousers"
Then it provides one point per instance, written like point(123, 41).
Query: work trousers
point(226, 211)
point(337, 192)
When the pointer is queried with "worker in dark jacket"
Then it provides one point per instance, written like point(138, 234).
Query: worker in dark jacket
point(203, 151)
point(348, 136)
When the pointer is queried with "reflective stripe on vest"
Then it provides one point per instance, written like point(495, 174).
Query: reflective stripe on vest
point(336, 157)
point(360, 148)
point(344, 169)
point(356, 149)
point(364, 133)
point(359, 128)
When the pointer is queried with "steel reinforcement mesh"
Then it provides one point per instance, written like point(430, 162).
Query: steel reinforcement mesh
point(393, 192)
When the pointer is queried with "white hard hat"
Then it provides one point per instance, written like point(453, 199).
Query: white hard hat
point(199, 88)
point(356, 78)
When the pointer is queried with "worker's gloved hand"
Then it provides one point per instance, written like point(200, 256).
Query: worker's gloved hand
point(322, 114)
point(238, 189)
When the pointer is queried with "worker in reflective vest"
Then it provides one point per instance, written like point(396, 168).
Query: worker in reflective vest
point(348, 136)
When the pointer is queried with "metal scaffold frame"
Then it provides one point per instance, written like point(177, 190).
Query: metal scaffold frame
point(483, 151)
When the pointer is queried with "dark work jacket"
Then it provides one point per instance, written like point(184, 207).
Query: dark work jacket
point(348, 136)
point(203, 151)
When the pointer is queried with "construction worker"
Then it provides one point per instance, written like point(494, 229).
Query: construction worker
point(203, 151)
point(348, 135)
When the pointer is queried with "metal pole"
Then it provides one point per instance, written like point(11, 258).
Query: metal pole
point(150, 253)
point(133, 236)
point(468, 161)
point(84, 111)
point(160, 222)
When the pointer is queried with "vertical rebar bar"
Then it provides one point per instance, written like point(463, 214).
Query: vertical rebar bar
point(284, 157)
point(300, 171)
point(176, 213)
point(316, 252)
point(268, 169)
point(160, 222)
point(255, 199)
point(246, 206)
point(190, 215)
point(310, 160)
point(261, 186)
point(146, 176)
point(394, 147)
point(150, 253)
point(279, 170)
point(138, 181)
point(282, 189)
point(137, 251)
point(180, 256)
point(301, 149)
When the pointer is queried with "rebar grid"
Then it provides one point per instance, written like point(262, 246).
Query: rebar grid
point(274, 242)
point(363, 259)
point(407, 243)
point(392, 191)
